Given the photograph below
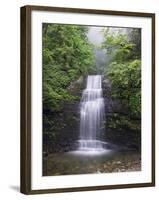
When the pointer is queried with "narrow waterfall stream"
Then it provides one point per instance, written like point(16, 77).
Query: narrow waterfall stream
point(92, 114)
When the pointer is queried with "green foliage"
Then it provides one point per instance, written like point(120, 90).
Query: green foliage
point(126, 83)
point(118, 45)
point(67, 55)
point(124, 68)
point(120, 122)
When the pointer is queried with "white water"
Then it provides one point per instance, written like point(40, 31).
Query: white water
point(92, 114)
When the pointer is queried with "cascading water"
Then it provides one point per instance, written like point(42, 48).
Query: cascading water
point(92, 114)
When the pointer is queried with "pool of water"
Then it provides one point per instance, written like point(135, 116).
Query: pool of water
point(92, 161)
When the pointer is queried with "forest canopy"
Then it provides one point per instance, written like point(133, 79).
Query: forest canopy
point(124, 67)
point(67, 54)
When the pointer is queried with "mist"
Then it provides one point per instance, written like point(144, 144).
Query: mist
point(95, 36)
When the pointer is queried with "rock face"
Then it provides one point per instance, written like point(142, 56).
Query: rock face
point(63, 132)
point(120, 128)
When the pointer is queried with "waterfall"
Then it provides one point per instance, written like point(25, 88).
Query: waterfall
point(92, 114)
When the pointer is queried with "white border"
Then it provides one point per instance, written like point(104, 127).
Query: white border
point(52, 182)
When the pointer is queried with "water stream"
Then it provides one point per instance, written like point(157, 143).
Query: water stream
point(92, 115)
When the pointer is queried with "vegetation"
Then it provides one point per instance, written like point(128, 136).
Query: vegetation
point(67, 55)
point(124, 67)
